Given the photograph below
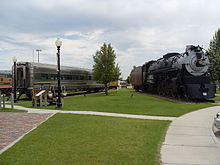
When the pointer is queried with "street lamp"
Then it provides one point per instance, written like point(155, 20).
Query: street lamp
point(15, 78)
point(58, 45)
point(38, 50)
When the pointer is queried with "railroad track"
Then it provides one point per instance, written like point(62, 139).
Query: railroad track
point(179, 100)
point(68, 95)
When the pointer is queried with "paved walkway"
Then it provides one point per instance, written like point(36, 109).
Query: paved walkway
point(30, 110)
point(13, 126)
point(191, 141)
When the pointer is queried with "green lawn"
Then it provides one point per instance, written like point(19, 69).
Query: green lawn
point(11, 110)
point(122, 102)
point(217, 98)
point(90, 140)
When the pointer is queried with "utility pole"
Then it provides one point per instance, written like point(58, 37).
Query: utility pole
point(38, 50)
point(33, 56)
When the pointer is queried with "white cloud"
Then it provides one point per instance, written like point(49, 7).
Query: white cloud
point(139, 30)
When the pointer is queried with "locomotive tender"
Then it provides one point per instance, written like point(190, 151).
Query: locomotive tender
point(178, 75)
point(72, 78)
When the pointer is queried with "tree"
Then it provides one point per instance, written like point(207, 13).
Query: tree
point(104, 69)
point(134, 67)
point(128, 80)
point(214, 57)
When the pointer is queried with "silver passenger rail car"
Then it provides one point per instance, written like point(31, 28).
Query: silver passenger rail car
point(72, 78)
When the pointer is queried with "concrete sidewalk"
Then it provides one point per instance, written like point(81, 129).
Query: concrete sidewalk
point(190, 140)
point(31, 110)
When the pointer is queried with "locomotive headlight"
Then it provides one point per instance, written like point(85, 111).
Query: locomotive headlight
point(200, 62)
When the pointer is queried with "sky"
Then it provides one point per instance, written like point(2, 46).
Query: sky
point(138, 30)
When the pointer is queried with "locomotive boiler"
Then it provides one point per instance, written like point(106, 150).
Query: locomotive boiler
point(177, 74)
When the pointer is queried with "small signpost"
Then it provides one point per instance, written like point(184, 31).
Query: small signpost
point(12, 100)
point(42, 93)
point(2, 100)
point(39, 97)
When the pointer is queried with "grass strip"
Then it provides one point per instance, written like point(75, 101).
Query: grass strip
point(11, 110)
point(217, 98)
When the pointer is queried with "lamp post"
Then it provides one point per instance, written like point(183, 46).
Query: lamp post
point(58, 45)
point(38, 50)
point(15, 78)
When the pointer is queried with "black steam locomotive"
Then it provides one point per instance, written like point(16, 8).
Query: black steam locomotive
point(178, 75)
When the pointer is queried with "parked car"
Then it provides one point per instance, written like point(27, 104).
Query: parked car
point(217, 121)
point(123, 84)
